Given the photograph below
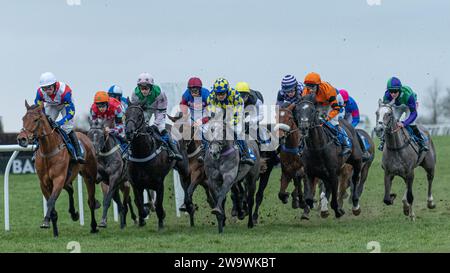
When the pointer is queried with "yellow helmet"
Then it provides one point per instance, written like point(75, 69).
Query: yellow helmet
point(243, 87)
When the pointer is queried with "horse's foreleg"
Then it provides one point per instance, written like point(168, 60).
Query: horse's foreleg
point(332, 185)
point(284, 182)
point(263, 181)
point(388, 197)
point(112, 189)
point(159, 205)
point(58, 184)
point(297, 194)
point(251, 188)
point(120, 208)
point(408, 197)
point(139, 202)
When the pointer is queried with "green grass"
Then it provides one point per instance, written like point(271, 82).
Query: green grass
point(279, 230)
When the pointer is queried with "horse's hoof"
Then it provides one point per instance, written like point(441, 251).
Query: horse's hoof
point(75, 216)
point(388, 202)
point(142, 223)
point(250, 225)
point(93, 231)
point(304, 216)
point(341, 212)
point(284, 197)
point(255, 220)
point(295, 204)
point(241, 215)
point(431, 205)
point(45, 225)
point(216, 211)
point(324, 214)
point(183, 208)
point(356, 212)
point(393, 196)
point(102, 224)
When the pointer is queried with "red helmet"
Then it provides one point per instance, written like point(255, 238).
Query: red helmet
point(195, 82)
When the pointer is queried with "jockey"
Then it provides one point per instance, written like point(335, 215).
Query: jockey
point(351, 114)
point(252, 98)
point(351, 108)
point(291, 90)
point(224, 98)
point(57, 99)
point(405, 101)
point(155, 104)
point(116, 92)
point(194, 99)
point(326, 98)
point(108, 108)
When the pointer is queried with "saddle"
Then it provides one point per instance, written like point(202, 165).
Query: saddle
point(66, 140)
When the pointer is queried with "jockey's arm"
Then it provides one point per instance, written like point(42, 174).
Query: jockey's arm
point(413, 111)
point(118, 122)
point(160, 112)
point(69, 107)
point(39, 98)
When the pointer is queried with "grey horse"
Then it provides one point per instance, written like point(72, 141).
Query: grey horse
point(224, 170)
point(401, 156)
point(112, 170)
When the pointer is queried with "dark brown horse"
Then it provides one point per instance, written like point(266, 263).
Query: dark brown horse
point(54, 166)
point(148, 163)
point(291, 164)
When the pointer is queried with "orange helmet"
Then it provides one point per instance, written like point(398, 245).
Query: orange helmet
point(313, 78)
point(101, 97)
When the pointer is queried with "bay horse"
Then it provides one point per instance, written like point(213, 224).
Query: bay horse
point(401, 156)
point(55, 168)
point(197, 175)
point(149, 163)
point(321, 155)
point(291, 164)
point(112, 171)
point(224, 169)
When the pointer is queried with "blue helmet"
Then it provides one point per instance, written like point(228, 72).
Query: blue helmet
point(115, 90)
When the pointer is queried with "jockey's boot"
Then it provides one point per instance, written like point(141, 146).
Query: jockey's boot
point(345, 141)
point(76, 146)
point(366, 154)
point(245, 153)
point(422, 145)
point(201, 157)
point(174, 153)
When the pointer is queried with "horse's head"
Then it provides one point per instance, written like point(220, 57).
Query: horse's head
point(218, 139)
point(285, 120)
point(97, 134)
point(306, 113)
point(134, 120)
point(31, 124)
point(385, 118)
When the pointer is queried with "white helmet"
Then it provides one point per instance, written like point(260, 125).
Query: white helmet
point(47, 79)
point(145, 79)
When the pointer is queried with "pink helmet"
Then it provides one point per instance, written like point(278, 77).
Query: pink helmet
point(344, 94)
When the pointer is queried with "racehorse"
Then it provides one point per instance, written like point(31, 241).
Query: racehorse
point(347, 170)
point(321, 155)
point(291, 164)
point(112, 170)
point(197, 174)
point(224, 169)
point(55, 168)
point(401, 156)
point(149, 163)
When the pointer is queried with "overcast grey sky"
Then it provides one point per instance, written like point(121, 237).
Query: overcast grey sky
point(352, 44)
